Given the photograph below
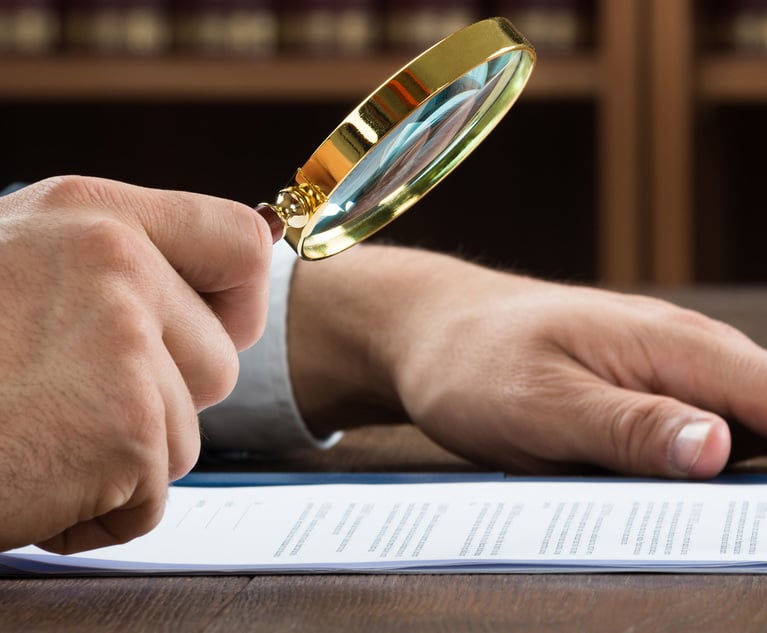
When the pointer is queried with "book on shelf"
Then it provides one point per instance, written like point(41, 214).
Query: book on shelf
point(136, 27)
point(417, 24)
point(29, 26)
point(237, 27)
point(735, 25)
point(268, 27)
point(342, 27)
point(552, 25)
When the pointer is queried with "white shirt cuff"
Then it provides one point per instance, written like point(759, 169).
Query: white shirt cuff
point(260, 415)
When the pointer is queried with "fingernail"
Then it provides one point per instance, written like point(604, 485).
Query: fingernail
point(688, 445)
point(275, 224)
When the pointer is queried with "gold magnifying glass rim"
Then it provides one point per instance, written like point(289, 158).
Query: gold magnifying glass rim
point(391, 103)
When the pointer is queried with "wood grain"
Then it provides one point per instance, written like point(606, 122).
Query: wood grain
point(112, 605)
point(595, 603)
point(423, 603)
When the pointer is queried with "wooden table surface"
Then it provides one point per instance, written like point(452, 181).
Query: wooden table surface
point(630, 603)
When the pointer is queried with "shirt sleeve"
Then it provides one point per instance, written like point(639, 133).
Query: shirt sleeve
point(260, 416)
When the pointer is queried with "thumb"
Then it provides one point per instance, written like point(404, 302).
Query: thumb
point(653, 435)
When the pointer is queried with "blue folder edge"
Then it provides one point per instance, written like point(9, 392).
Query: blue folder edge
point(231, 479)
point(227, 479)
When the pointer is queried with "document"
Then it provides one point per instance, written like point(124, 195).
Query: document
point(503, 526)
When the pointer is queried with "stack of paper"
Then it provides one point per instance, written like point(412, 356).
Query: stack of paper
point(475, 526)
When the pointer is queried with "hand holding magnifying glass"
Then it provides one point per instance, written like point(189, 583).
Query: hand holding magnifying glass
point(402, 140)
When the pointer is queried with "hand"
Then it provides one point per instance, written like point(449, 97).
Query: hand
point(519, 374)
point(121, 313)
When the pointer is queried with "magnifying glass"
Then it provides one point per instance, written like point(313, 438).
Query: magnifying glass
point(403, 139)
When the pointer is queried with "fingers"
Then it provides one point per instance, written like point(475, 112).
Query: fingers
point(580, 417)
point(649, 435)
point(143, 296)
point(703, 372)
point(718, 369)
point(143, 288)
point(572, 417)
point(112, 528)
point(198, 344)
point(153, 444)
point(222, 249)
point(544, 412)
point(693, 359)
point(181, 425)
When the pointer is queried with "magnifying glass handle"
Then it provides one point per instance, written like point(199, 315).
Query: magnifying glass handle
point(274, 221)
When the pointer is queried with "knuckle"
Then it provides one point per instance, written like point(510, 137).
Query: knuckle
point(139, 415)
point(85, 194)
point(131, 330)
point(106, 244)
point(184, 453)
point(152, 516)
point(132, 522)
point(691, 318)
point(69, 189)
point(115, 493)
point(134, 411)
point(183, 463)
point(221, 372)
point(145, 408)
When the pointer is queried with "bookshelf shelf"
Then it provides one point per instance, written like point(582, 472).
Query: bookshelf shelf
point(733, 77)
point(227, 79)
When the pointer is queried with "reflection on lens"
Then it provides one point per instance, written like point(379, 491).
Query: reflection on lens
point(419, 152)
point(408, 135)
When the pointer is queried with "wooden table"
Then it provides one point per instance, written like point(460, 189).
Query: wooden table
point(634, 603)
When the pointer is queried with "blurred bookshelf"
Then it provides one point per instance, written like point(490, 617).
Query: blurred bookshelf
point(709, 100)
point(283, 77)
point(733, 77)
point(167, 90)
point(730, 50)
point(268, 27)
point(230, 49)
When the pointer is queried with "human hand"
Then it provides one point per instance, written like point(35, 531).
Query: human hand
point(121, 313)
point(524, 375)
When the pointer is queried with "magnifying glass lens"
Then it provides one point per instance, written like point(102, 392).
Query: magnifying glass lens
point(414, 156)
point(405, 138)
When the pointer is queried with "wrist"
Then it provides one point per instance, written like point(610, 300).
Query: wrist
point(348, 322)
